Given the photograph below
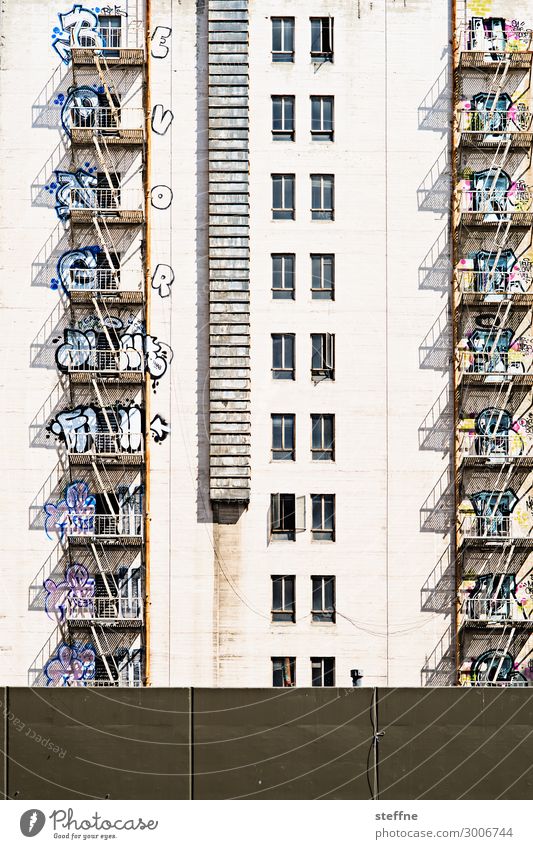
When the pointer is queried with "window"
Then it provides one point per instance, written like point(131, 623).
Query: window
point(110, 29)
point(283, 603)
point(107, 190)
point(283, 276)
point(283, 356)
point(283, 39)
point(282, 196)
point(323, 671)
point(322, 277)
point(322, 39)
point(322, 118)
point(287, 515)
point(282, 117)
point(283, 671)
point(322, 436)
point(282, 436)
point(323, 356)
point(323, 517)
point(322, 208)
point(323, 598)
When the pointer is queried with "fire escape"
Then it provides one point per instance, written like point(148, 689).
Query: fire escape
point(101, 609)
point(493, 358)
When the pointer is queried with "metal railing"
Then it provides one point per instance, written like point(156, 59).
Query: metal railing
point(479, 445)
point(106, 118)
point(104, 524)
point(500, 203)
point(104, 279)
point(105, 39)
point(487, 527)
point(495, 41)
point(105, 199)
point(494, 362)
point(497, 281)
point(105, 608)
point(468, 682)
point(109, 443)
point(107, 682)
point(100, 361)
point(493, 609)
point(512, 120)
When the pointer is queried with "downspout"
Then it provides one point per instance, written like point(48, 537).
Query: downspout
point(455, 307)
point(147, 319)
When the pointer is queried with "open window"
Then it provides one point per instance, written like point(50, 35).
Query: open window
point(287, 515)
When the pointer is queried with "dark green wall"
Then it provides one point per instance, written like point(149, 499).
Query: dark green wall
point(266, 744)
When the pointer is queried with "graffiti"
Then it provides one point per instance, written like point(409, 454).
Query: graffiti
point(108, 429)
point(83, 261)
point(491, 597)
point(76, 592)
point(74, 513)
point(71, 666)
point(136, 349)
point(159, 428)
point(493, 427)
point(490, 345)
point(79, 107)
point(161, 119)
point(74, 189)
point(78, 28)
point(162, 279)
point(491, 35)
point(160, 37)
point(495, 665)
point(161, 197)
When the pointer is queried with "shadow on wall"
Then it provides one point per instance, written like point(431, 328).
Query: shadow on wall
point(434, 112)
point(436, 513)
point(433, 193)
point(434, 432)
point(435, 270)
point(435, 351)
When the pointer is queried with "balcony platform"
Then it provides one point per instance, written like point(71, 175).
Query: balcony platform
point(495, 624)
point(104, 622)
point(117, 217)
point(487, 139)
point(518, 59)
point(496, 543)
point(496, 300)
point(106, 376)
point(126, 56)
point(494, 379)
point(118, 459)
point(128, 541)
point(86, 297)
point(85, 136)
point(488, 463)
point(478, 219)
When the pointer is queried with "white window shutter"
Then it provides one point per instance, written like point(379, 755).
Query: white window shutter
point(300, 513)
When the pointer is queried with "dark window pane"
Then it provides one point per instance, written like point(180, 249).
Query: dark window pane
point(276, 34)
point(289, 351)
point(316, 194)
point(276, 593)
point(289, 593)
point(328, 193)
point(316, 673)
point(317, 593)
point(277, 192)
point(317, 511)
point(276, 272)
point(329, 672)
point(289, 432)
point(328, 512)
point(276, 113)
point(327, 114)
point(315, 114)
point(315, 35)
point(289, 35)
point(316, 350)
point(276, 432)
point(328, 431)
point(289, 193)
point(276, 351)
point(289, 113)
point(329, 584)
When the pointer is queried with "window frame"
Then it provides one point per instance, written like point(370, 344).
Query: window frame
point(284, 293)
point(320, 417)
point(322, 533)
point(284, 134)
point(327, 670)
point(292, 670)
point(287, 611)
point(323, 134)
point(283, 449)
point(326, 370)
point(322, 212)
point(324, 613)
point(323, 54)
point(283, 55)
point(284, 372)
point(322, 293)
point(284, 213)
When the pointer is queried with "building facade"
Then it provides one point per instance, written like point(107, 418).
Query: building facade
point(266, 376)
